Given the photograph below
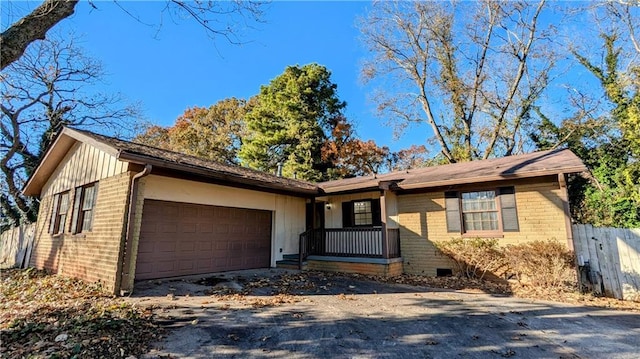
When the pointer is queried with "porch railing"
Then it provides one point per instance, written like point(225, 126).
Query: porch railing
point(393, 240)
point(349, 242)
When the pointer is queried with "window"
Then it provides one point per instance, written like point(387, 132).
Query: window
point(361, 213)
point(482, 212)
point(59, 212)
point(83, 205)
point(479, 211)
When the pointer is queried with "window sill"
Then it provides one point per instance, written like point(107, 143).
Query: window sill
point(483, 235)
point(71, 235)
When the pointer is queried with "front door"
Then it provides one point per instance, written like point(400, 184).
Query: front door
point(318, 221)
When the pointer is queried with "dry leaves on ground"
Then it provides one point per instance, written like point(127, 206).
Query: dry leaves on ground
point(48, 316)
point(567, 295)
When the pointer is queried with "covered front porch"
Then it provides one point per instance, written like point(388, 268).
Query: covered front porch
point(374, 242)
point(352, 232)
point(372, 251)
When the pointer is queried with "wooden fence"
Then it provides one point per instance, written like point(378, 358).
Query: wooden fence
point(16, 245)
point(609, 260)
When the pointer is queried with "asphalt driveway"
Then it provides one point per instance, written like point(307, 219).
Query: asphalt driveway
point(286, 314)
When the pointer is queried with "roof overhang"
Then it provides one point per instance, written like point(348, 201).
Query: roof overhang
point(68, 137)
point(56, 152)
point(219, 176)
point(468, 180)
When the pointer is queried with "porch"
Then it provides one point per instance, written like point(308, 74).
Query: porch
point(350, 242)
point(371, 250)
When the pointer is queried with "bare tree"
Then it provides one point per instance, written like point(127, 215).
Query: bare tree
point(48, 87)
point(218, 18)
point(472, 71)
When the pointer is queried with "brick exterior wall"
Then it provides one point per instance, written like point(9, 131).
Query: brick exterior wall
point(422, 220)
point(386, 270)
point(91, 256)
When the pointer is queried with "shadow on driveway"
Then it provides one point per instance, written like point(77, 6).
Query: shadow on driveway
point(288, 314)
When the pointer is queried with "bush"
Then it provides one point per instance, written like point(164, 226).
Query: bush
point(543, 264)
point(547, 264)
point(474, 258)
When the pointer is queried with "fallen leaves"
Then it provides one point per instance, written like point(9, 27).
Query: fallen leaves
point(45, 315)
point(563, 295)
point(342, 296)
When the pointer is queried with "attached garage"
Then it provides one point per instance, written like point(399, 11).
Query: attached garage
point(179, 239)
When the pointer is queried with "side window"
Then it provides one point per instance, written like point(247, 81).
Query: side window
point(485, 211)
point(59, 212)
point(479, 211)
point(83, 208)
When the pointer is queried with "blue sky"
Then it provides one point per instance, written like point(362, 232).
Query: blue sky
point(180, 66)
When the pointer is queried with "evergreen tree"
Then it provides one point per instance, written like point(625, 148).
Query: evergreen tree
point(293, 118)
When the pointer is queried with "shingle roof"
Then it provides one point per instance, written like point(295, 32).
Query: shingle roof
point(519, 166)
point(159, 158)
point(174, 160)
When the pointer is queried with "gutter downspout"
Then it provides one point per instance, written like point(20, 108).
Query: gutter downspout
point(125, 253)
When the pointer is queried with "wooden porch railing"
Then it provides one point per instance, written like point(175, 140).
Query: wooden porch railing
point(349, 242)
point(393, 239)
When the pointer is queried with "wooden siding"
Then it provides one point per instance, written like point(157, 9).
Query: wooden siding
point(422, 220)
point(82, 164)
point(333, 216)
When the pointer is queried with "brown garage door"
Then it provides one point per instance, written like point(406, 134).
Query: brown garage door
point(183, 239)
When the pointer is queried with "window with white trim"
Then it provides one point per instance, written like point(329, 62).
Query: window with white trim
point(479, 211)
point(362, 214)
point(482, 212)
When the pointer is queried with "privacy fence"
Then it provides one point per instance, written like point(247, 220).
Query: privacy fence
point(609, 260)
point(16, 245)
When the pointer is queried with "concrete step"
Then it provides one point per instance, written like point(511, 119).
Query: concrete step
point(289, 264)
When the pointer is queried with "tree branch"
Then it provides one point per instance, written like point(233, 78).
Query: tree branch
point(17, 37)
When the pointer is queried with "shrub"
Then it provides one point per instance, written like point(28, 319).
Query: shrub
point(547, 264)
point(474, 258)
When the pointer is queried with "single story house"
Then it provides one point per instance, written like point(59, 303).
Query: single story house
point(116, 211)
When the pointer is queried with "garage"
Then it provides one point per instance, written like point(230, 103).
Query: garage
point(179, 239)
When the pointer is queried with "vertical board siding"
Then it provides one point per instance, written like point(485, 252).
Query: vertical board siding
point(613, 256)
point(83, 164)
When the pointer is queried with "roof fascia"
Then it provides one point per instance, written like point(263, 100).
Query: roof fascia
point(33, 187)
point(226, 178)
point(479, 179)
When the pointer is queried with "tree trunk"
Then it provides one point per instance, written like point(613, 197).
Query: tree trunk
point(15, 39)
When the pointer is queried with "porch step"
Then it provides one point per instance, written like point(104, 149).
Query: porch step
point(289, 261)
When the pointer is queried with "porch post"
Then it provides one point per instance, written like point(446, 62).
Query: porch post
point(383, 215)
point(312, 232)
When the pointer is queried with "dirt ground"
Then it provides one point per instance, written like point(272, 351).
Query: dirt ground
point(287, 314)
